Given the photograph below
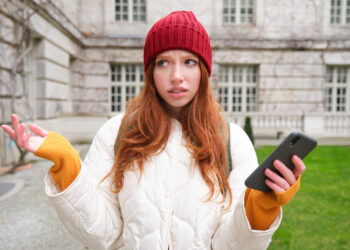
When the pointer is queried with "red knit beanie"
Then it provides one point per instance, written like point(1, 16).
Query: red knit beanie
point(178, 30)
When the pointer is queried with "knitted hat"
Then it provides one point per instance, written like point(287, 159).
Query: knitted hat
point(178, 30)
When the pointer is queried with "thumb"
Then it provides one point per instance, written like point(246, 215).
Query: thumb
point(38, 130)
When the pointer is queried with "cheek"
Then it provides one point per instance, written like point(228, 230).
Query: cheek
point(157, 81)
point(196, 80)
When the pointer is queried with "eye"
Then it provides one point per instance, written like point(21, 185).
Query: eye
point(191, 62)
point(162, 63)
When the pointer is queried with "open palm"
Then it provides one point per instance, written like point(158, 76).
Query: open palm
point(25, 139)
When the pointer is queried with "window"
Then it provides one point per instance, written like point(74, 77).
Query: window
point(340, 12)
point(238, 11)
point(130, 10)
point(238, 88)
point(126, 83)
point(337, 89)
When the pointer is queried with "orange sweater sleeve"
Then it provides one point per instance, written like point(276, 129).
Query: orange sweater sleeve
point(262, 208)
point(66, 159)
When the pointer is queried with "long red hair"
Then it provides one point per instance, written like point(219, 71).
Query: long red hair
point(146, 127)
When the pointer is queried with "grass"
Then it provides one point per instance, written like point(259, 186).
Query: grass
point(318, 217)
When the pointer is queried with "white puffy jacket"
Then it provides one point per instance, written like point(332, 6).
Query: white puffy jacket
point(166, 208)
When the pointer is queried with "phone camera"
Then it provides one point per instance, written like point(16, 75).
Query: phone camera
point(294, 141)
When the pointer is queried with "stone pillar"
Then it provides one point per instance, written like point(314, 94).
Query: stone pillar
point(52, 66)
point(314, 125)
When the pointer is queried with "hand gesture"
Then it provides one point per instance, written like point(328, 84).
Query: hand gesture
point(24, 139)
point(281, 184)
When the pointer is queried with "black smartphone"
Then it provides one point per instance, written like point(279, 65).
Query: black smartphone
point(296, 143)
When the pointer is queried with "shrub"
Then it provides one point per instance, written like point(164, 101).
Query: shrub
point(248, 129)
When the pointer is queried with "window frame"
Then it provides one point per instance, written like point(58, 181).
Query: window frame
point(244, 85)
point(130, 14)
point(124, 84)
point(332, 84)
point(344, 17)
point(238, 14)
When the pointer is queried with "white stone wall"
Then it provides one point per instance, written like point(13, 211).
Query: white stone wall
point(70, 78)
point(52, 80)
point(292, 19)
point(288, 81)
point(11, 83)
point(74, 42)
point(90, 87)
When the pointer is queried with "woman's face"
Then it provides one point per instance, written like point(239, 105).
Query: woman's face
point(177, 77)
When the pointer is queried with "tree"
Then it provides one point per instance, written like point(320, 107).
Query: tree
point(17, 43)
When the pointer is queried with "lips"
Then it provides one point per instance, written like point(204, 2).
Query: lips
point(177, 92)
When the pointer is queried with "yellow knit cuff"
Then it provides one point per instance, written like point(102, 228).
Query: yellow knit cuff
point(284, 197)
point(275, 199)
point(66, 159)
point(262, 208)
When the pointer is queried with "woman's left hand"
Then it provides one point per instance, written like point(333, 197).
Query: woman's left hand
point(289, 177)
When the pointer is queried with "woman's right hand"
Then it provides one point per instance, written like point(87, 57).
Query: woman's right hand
point(25, 139)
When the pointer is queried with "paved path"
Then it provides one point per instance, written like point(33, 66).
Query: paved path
point(27, 219)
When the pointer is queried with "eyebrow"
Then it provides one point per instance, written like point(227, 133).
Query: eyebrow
point(162, 57)
point(189, 56)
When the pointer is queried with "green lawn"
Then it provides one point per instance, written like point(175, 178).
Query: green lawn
point(318, 217)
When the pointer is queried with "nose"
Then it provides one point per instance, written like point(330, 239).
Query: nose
point(177, 74)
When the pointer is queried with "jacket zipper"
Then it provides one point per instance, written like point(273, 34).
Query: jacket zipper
point(172, 196)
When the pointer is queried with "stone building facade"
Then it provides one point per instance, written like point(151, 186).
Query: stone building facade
point(69, 65)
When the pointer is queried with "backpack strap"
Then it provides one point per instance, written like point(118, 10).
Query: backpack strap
point(118, 141)
point(228, 166)
point(120, 136)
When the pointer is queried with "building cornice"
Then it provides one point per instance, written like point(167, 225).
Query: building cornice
point(281, 44)
point(48, 10)
point(51, 13)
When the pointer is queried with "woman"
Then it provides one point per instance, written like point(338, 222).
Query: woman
point(162, 182)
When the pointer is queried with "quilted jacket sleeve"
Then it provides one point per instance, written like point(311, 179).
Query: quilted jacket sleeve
point(88, 208)
point(234, 231)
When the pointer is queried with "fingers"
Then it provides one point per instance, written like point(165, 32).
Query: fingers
point(278, 180)
point(20, 134)
point(10, 131)
point(16, 129)
point(281, 183)
point(299, 166)
point(285, 172)
point(26, 137)
point(15, 123)
point(38, 130)
point(274, 186)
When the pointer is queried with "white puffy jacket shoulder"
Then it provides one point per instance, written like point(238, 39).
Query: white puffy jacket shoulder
point(165, 208)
